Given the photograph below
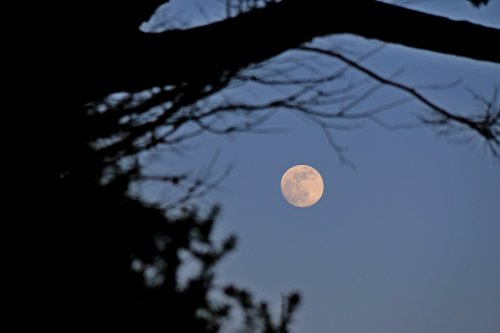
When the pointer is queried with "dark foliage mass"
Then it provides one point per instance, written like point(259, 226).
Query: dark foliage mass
point(101, 250)
point(104, 251)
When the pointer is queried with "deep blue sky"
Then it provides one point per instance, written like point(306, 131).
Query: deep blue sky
point(408, 242)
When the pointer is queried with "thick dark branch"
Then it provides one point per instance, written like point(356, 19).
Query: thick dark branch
point(398, 25)
point(205, 52)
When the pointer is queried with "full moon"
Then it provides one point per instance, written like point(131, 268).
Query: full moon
point(302, 186)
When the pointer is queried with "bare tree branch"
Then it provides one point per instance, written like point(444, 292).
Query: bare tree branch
point(484, 126)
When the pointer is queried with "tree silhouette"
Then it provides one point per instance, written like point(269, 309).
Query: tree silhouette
point(116, 91)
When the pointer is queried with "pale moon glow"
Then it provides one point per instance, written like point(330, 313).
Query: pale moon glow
point(302, 186)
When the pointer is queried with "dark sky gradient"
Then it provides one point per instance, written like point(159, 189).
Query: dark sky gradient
point(408, 242)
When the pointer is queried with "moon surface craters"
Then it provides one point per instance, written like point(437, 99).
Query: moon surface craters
point(302, 186)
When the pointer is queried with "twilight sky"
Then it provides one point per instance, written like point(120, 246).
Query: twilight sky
point(409, 241)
